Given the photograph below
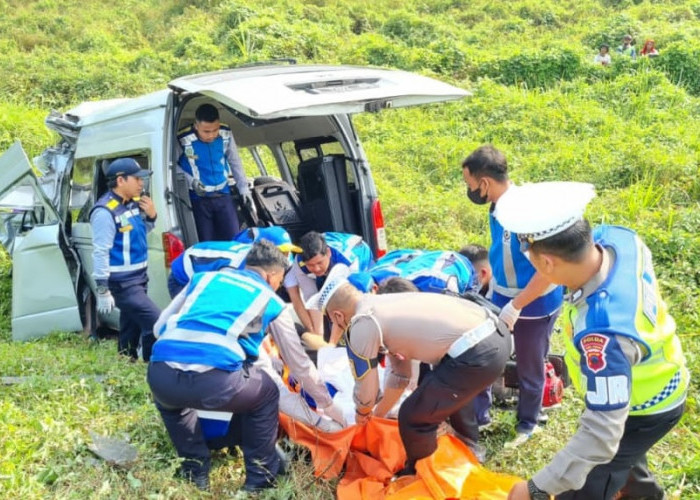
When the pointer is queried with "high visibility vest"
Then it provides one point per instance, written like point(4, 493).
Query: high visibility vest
point(206, 161)
point(208, 256)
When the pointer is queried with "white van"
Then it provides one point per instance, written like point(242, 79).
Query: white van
point(293, 127)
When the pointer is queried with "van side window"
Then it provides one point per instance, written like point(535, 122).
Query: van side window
point(81, 187)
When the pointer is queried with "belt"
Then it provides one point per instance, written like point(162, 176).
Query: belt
point(470, 338)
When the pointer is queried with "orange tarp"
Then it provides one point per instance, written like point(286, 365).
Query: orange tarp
point(372, 453)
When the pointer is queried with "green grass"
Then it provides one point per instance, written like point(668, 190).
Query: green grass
point(630, 129)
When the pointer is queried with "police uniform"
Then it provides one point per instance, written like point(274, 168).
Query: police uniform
point(512, 271)
point(211, 164)
point(208, 339)
point(120, 259)
point(623, 355)
point(459, 338)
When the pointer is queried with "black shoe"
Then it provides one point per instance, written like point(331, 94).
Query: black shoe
point(199, 478)
point(409, 470)
point(284, 461)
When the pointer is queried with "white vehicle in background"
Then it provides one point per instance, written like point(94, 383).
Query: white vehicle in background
point(293, 127)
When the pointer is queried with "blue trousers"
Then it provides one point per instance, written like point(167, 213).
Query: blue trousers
point(215, 217)
point(249, 393)
point(137, 315)
point(531, 339)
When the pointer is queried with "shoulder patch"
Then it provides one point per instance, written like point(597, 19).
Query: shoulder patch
point(593, 346)
point(112, 204)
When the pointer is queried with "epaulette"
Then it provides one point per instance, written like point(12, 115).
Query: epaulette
point(112, 204)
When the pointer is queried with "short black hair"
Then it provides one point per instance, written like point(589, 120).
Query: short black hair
point(487, 161)
point(475, 253)
point(313, 244)
point(265, 255)
point(571, 245)
point(396, 285)
point(206, 113)
point(604, 46)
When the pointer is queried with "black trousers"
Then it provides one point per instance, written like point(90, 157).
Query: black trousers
point(447, 393)
point(627, 472)
point(137, 315)
point(249, 393)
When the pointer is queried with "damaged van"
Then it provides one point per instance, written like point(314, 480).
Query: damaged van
point(293, 127)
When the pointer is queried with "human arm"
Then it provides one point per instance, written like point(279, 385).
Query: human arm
point(236, 166)
point(395, 384)
point(300, 309)
point(602, 424)
point(363, 348)
point(103, 232)
point(294, 356)
point(537, 285)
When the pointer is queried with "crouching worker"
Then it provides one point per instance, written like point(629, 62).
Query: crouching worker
point(622, 350)
point(208, 339)
point(464, 342)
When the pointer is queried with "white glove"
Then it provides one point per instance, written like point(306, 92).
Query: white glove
point(335, 412)
point(509, 315)
point(198, 187)
point(105, 302)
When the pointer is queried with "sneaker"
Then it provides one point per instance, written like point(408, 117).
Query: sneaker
point(521, 437)
point(542, 418)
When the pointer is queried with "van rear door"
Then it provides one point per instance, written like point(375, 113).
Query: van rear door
point(269, 92)
point(43, 287)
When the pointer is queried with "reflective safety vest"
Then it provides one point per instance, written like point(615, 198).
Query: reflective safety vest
point(129, 252)
point(431, 271)
point(348, 249)
point(206, 161)
point(627, 303)
point(221, 323)
point(512, 271)
point(208, 256)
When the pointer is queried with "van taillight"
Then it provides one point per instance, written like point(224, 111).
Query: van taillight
point(379, 231)
point(173, 247)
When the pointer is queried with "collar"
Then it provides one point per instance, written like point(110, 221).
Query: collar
point(578, 296)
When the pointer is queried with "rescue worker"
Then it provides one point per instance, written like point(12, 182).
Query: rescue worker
point(529, 303)
point(214, 255)
point(429, 270)
point(461, 339)
point(621, 347)
point(208, 341)
point(120, 220)
point(211, 164)
point(320, 252)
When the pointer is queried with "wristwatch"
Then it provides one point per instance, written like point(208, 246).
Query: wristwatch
point(535, 492)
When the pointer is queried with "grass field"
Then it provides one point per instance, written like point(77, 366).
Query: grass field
point(630, 129)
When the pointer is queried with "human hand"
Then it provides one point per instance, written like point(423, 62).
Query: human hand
point(105, 302)
point(147, 206)
point(335, 412)
point(362, 418)
point(509, 315)
point(519, 491)
point(198, 187)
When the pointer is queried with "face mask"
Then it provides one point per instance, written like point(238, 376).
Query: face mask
point(476, 197)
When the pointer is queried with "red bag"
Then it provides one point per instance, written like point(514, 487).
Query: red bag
point(553, 386)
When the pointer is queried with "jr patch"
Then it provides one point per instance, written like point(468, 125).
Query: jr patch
point(593, 346)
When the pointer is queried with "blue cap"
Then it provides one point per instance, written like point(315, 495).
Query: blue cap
point(276, 235)
point(126, 166)
point(363, 281)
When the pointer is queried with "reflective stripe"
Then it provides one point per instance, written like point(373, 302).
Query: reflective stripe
point(665, 393)
point(469, 339)
point(508, 264)
point(512, 292)
point(218, 187)
point(128, 267)
point(126, 249)
point(227, 341)
point(234, 256)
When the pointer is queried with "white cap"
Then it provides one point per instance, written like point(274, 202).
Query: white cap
point(537, 211)
point(337, 277)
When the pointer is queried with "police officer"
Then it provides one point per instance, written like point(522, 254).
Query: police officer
point(320, 252)
point(210, 161)
point(120, 220)
point(208, 339)
point(461, 339)
point(622, 350)
point(530, 304)
point(215, 255)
